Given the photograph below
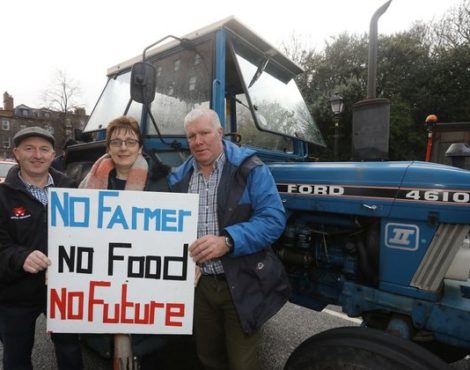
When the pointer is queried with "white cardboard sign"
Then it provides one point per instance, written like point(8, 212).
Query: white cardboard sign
point(120, 261)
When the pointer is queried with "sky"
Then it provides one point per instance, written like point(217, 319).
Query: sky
point(84, 38)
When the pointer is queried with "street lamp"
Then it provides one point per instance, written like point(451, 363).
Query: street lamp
point(337, 107)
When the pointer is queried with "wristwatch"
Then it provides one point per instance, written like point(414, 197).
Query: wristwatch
point(229, 243)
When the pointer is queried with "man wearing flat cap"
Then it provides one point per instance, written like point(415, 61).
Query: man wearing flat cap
point(23, 251)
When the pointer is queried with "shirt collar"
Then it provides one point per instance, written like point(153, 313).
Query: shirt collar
point(218, 163)
point(50, 182)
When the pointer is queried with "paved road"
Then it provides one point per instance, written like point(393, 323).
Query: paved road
point(280, 336)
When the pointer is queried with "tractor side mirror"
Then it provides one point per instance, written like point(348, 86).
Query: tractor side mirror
point(143, 82)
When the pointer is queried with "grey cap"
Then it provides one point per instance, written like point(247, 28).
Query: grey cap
point(33, 132)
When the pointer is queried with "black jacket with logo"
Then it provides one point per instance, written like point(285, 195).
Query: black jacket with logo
point(23, 228)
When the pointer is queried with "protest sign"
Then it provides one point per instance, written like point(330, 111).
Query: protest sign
point(120, 261)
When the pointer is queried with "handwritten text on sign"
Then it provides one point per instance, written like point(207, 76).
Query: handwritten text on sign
point(120, 261)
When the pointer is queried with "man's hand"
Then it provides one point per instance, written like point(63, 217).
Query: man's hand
point(35, 262)
point(208, 247)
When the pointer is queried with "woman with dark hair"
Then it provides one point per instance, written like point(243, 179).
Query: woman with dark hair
point(124, 167)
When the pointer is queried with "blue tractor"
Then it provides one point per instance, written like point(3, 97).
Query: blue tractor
point(385, 241)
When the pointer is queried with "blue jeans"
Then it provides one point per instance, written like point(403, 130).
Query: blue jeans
point(17, 327)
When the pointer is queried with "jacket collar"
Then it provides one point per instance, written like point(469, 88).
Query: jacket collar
point(13, 181)
point(233, 154)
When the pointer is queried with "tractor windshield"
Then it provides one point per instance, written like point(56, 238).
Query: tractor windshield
point(183, 82)
point(112, 103)
point(267, 96)
point(275, 97)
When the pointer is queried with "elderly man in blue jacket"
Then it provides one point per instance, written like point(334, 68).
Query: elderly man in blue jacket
point(241, 214)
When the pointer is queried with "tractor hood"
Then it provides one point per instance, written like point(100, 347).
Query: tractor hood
point(393, 189)
point(422, 174)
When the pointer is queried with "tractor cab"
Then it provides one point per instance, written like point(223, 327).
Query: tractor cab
point(224, 66)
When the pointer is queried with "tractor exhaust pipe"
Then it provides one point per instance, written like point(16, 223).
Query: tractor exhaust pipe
point(371, 116)
point(373, 41)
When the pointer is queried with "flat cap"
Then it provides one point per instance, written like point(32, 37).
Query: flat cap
point(34, 131)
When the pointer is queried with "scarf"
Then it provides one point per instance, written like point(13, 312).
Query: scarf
point(98, 176)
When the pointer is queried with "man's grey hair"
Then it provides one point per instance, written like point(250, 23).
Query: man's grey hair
point(197, 113)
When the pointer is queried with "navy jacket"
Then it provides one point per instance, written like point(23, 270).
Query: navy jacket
point(23, 228)
point(251, 211)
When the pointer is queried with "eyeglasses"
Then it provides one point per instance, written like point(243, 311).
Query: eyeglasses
point(117, 143)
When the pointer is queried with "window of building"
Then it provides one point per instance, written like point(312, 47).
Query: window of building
point(177, 64)
point(171, 89)
point(159, 71)
point(6, 143)
point(49, 128)
point(5, 124)
point(192, 83)
point(197, 59)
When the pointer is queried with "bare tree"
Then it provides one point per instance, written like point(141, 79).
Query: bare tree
point(61, 97)
point(62, 94)
point(295, 47)
point(453, 29)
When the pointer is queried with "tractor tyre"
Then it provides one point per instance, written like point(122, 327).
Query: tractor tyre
point(361, 348)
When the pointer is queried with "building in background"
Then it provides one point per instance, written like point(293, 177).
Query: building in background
point(12, 119)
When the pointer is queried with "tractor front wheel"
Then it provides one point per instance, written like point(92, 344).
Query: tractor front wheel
point(361, 348)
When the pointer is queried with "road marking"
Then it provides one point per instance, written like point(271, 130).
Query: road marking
point(342, 316)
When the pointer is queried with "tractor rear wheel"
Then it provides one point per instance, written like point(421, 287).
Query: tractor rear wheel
point(354, 348)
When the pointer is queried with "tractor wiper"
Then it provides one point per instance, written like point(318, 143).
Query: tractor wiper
point(259, 72)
